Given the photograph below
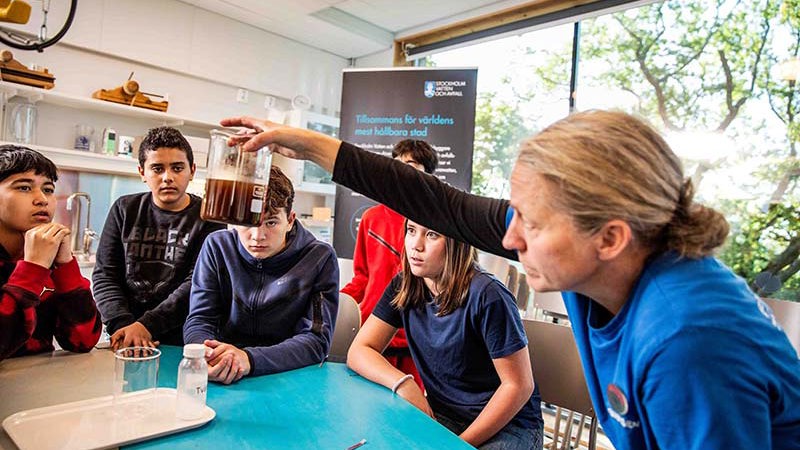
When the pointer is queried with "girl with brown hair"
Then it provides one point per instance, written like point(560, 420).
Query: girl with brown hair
point(466, 339)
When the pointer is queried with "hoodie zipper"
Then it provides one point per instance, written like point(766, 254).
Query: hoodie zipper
point(254, 322)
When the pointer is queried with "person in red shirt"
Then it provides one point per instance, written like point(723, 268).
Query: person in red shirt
point(43, 293)
point(379, 245)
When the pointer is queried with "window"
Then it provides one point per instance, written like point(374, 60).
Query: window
point(717, 78)
point(523, 85)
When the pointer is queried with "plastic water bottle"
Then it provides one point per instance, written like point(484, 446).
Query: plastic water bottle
point(192, 382)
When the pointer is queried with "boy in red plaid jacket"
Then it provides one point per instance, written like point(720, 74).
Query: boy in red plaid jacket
point(43, 294)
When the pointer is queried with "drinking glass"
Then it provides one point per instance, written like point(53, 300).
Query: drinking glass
point(22, 125)
point(135, 379)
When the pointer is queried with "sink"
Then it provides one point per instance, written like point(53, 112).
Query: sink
point(86, 260)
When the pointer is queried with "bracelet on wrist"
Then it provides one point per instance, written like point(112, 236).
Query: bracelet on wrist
point(401, 381)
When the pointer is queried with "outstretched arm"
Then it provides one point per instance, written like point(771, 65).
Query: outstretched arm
point(478, 221)
point(425, 199)
point(295, 143)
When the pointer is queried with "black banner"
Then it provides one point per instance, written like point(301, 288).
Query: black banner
point(383, 107)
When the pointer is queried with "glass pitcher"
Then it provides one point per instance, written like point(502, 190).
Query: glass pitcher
point(22, 126)
point(236, 184)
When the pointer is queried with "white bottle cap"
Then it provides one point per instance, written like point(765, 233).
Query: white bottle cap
point(194, 351)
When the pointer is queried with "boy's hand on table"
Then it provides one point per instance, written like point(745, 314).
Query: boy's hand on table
point(133, 335)
point(226, 363)
point(42, 243)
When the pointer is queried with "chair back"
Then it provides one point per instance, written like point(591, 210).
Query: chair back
point(558, 372)
point(788, 316)
point(523, 293)
point(550, 303)
point(557, 366)
point(496, 265)
point(512, 279)
point(345, 271)
point(348, 322)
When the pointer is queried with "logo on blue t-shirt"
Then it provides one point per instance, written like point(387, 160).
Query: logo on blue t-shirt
point(617, 399)
point(619, 406)
point(430, 89)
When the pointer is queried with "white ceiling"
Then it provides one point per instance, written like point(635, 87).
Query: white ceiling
point(350, 28)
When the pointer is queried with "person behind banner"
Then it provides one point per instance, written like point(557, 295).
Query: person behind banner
point(670, 339)
point(466, 339)
point(376, 257)
point(149, 246)
point(264, 298)
point(44, 294)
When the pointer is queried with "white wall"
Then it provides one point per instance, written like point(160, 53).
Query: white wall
point(380, 59)
point(197, 57)
point(200, 58)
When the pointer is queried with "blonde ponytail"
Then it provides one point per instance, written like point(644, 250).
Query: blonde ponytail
point(610, 165)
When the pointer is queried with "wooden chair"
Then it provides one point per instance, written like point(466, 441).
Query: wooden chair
point(788, 316)
point(558, 373)
point(348, 322)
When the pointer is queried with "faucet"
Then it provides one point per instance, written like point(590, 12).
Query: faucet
point(88, 234)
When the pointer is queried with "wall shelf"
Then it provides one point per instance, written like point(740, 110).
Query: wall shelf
point(97, 163)
point(92, 162)
point(87, 103)
point(67, 159)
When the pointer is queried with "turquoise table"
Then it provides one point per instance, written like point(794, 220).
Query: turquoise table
point(328, 407)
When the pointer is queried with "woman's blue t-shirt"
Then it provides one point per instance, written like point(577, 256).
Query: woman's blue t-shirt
point(693, 360)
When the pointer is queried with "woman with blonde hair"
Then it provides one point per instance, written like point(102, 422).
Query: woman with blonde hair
point(676, 350)
point(467, 342)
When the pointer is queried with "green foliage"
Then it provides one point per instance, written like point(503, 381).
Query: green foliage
point(499, 128)
point(695, 65)
point(691, 65)
point(761, 239)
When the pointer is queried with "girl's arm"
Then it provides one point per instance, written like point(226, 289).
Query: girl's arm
point(366, 359)
point(516, 387)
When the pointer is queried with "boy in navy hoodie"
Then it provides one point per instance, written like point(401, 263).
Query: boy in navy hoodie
point(264, 299)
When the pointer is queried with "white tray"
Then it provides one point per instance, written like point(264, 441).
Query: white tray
point(97, 423)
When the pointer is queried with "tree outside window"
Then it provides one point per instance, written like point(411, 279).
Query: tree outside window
point(715, 76)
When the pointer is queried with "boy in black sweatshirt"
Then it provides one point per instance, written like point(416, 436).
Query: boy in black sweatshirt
point(149, 246)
